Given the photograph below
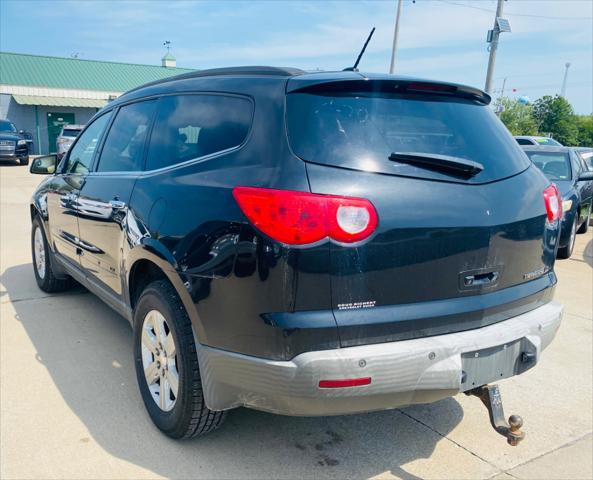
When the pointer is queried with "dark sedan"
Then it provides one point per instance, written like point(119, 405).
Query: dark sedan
point(567, 169)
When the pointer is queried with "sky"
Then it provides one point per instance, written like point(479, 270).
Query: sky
point(439, 39)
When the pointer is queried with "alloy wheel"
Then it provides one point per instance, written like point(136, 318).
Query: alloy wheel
point(39, 252)
point(159, 360)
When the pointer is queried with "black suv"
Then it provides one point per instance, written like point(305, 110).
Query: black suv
point(14, 144)
point(304, 243)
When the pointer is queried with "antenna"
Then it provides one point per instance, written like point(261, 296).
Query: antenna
point(354, 68)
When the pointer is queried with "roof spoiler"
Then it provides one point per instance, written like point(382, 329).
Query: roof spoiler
point(407, 86)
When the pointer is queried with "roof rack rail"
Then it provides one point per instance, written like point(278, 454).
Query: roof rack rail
point(213, 72)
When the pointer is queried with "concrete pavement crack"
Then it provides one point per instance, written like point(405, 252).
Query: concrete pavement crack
point(564, 445)
point(499, 471)
point(28, 299)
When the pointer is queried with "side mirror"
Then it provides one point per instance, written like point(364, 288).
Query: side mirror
point(44, 165)
point(21, 132)
point(585, 177)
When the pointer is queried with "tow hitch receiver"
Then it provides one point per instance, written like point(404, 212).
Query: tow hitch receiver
point(490, 396)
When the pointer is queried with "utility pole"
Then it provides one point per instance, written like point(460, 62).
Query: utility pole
point(395, 34)
point(563, 91)
point(504, 82)
point(493, 46)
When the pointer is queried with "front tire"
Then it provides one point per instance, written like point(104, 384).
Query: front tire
point(566, 251)
point(24, 160)
point(44, 274)
point(167, 365)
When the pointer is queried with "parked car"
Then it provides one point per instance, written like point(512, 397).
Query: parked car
point(13, 143)
point(66, 138)
point(304, 243)
point(586, 154)
point(565, 167)
point(534, 140)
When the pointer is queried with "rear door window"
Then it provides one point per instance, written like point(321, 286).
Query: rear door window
point(194, 126)
point(360, 130)
point(123, 150)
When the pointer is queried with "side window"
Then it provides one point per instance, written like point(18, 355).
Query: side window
point(577, 166)
point(81, 154)
point(123, 149)
point(523, 141)
point(191, 126)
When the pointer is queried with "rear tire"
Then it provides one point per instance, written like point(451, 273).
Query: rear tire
point(42, 267)
point(161, 325)
point(585, 226)
point(566, 252)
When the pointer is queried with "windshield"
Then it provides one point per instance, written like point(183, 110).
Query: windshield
point(6, 126)
point(360, 130)
point(556, 166)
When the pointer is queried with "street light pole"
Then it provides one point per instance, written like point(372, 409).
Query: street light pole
point(563, 91)
point(493, 47)
point(395, 34)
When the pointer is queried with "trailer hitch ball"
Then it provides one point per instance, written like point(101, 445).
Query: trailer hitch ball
point(491, 398)
point(515, 435)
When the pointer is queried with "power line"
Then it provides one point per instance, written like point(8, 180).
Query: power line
point(514, 14)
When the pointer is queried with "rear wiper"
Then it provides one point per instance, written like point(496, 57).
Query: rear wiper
point(455, 165)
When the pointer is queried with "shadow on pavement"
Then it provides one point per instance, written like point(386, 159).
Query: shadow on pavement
point(86, 348)
point(588, 254)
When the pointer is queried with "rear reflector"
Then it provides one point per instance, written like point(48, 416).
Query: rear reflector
point(347, 382)
point(553, 202)
point(301, 218)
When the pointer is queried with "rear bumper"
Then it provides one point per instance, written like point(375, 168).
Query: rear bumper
point(402, 373)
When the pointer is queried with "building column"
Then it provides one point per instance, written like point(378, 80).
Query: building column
point(37, 130)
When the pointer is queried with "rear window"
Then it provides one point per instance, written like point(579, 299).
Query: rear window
point(547, 141)
point(556, 166)
point(70, 132)
point(359, 130)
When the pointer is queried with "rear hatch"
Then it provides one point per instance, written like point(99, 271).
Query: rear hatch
point(462, 239)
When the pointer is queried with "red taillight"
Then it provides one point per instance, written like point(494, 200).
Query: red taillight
point(347, 382)
point(431, 87)
point(553, 202)
point(300, 218)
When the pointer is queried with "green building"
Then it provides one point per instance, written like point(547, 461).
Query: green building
point(40, 94)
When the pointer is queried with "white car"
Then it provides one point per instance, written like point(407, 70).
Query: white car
point(533, 140)
point(66, 138)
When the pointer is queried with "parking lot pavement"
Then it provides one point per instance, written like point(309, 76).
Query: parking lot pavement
point(70, 406)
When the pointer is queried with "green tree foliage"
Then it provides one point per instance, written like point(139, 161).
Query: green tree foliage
point(585, 130)
point(547, 116)
point(555, 116)
point(517, 117)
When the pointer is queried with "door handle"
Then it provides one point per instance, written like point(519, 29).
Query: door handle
point(117, 204)
point(480, 279)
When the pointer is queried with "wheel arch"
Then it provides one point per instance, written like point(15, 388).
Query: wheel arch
point(145, 266)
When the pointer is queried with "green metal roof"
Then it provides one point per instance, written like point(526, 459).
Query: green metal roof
point(59, 101)
point(74, 73)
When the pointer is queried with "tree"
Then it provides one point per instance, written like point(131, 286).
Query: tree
point(585, 130)
point(517, 117)
point(555, 116)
